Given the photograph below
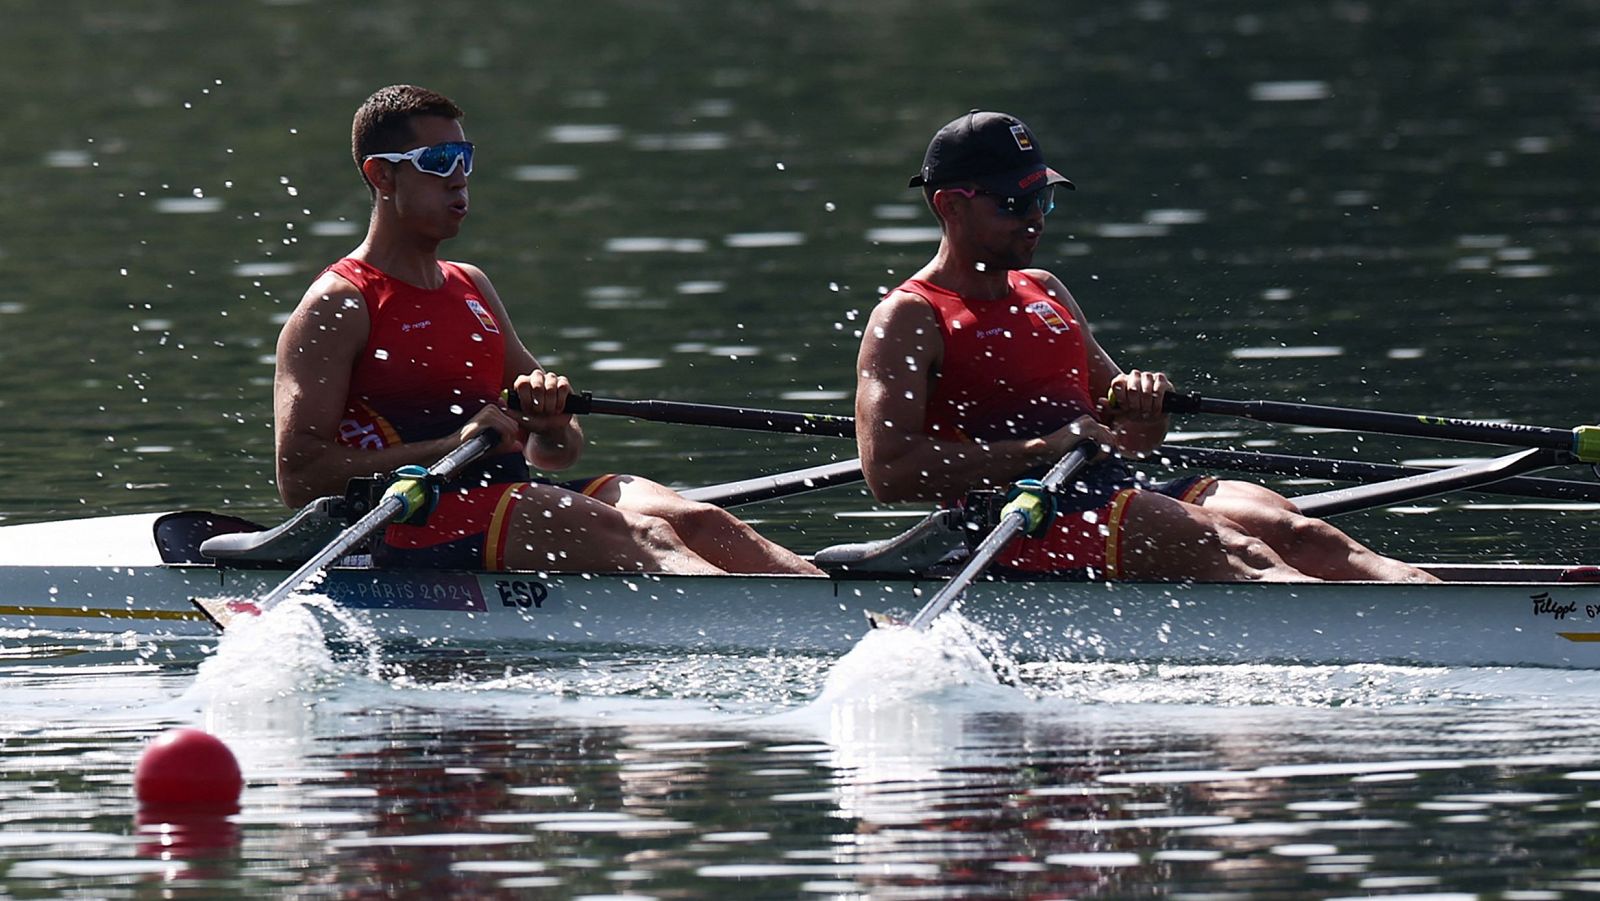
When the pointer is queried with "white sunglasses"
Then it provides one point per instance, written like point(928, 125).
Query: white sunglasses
point(439, 159)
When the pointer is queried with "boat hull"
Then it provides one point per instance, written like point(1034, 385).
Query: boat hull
point(1489, 616)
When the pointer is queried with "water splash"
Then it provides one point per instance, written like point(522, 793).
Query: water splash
point(285, 652)
point(901, 688)
point(899, 664)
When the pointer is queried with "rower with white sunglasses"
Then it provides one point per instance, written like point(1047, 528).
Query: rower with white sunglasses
point(395, 358)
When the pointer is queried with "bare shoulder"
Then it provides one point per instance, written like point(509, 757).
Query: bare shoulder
point(1056, 288)
point(1047, 280)
point(902, 328)
point(332, 311)
point(331, 292)
point(473, 271)
point(902, 310)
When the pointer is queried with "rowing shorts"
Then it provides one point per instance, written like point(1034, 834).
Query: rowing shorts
point(1085, 540)
point(467, 529)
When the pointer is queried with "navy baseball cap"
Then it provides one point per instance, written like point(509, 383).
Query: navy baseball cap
point(995, 151)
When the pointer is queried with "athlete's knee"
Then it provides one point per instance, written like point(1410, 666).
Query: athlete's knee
point(699, 521)
point(653, 532)
point(1301, 534)
point(1244, 550)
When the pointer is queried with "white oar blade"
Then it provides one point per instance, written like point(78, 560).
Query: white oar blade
point(224, 611)
point(883, 620)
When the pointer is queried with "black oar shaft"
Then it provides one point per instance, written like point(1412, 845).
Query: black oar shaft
point(1414, 425)
point(712, 415)
point(789, 422)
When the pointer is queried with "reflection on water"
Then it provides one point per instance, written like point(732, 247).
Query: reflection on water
point(911, 770)
point(1370, 205)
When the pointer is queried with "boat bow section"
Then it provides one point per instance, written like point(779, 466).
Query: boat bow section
point(128, 540)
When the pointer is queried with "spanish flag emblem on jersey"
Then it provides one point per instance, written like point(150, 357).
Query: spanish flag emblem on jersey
point(484, 317)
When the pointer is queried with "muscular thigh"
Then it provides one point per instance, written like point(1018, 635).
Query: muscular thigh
point(1228, 494)
point(1165, 538)
point(1259, 510)
point(637, 495)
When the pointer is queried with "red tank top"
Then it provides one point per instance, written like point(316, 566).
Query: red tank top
point(1016, 367)
point(433, 358)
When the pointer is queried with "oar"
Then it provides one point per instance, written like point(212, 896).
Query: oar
point(1428, 484)
point(1016, 518)
point(1361, 471)
point(793, 422)
point(404, 496)
point(763, 488)
point(712, 415)
point(1582, 442)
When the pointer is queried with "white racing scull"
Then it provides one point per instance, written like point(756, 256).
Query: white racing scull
point(137, 573)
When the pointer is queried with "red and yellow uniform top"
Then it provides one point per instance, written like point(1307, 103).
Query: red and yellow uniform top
point(1018, 367)
point(433, 358)
point(1013, 367)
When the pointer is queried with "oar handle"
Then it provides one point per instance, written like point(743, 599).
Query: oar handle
point(582, 402)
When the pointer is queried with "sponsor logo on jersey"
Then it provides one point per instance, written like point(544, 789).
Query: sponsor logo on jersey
point(482, 312)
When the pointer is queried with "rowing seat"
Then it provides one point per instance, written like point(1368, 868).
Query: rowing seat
point(292, 542)
point(934, 540)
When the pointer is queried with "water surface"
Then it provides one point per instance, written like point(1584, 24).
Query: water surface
point(1386, 206)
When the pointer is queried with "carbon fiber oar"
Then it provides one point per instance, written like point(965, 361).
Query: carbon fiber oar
point(404, 496)
point(1581, 443)
point(1017, 516)
point(748, 418)
point(1481, 474)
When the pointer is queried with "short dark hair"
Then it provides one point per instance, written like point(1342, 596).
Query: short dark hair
point(383, 121)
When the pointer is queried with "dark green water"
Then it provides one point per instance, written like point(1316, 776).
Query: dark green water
point(698, 201)
point(1379, 205)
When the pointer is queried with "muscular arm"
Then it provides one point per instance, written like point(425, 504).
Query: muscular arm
point(317, 351)
point(900, 352)
point(1136, 421)
point(555, 439)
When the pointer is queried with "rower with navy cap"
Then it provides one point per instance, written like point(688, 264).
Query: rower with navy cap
point(980, 370)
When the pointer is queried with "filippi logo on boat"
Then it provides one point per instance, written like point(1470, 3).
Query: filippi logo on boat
point(1544, 604)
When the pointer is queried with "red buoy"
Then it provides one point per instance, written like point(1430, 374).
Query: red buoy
point(188, 768)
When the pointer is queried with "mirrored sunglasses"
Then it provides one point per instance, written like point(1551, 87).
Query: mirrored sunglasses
point(439, 159)
point(1044, 199)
